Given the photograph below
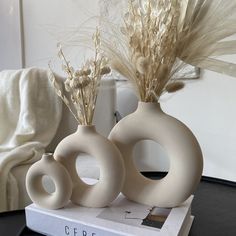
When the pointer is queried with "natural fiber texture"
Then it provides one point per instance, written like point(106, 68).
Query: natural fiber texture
point(82, 85)
point(156, 37)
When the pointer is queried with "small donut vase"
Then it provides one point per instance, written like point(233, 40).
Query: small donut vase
point(112, 171)
point(149, 122)
point(47, 166)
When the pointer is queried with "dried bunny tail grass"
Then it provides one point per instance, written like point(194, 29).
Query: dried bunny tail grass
point(82, 84)
point(59, 92)
point(144, 49)
point(118, 56)
point(174, 86)
point(158, 37)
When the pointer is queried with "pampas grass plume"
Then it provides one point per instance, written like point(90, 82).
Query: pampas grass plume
point(157, 38)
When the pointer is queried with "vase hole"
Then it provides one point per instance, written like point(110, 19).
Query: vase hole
point(90, 181)
point(87, 167)
point(150, 156)
point(48, 184)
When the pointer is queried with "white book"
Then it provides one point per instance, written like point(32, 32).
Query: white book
point(123, 217)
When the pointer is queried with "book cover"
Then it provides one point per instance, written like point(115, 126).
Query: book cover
point(123, 217)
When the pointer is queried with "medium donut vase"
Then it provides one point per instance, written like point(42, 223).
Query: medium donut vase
point(47, 166)
point(87, 140)
point(149, 122)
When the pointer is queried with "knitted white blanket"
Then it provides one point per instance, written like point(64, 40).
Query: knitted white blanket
point(30, 113)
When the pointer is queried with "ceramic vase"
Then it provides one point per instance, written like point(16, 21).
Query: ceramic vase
point(47, 166)
point(149, 122)
point(87, 140)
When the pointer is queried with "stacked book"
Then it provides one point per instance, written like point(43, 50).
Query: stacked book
point(122, 217)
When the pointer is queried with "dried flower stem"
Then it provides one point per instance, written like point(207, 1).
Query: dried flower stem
point(56, 85)
point(156, 37)
point(83, 84)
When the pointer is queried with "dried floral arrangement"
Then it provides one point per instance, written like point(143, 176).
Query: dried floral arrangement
point(156, 37)
point(82, 85)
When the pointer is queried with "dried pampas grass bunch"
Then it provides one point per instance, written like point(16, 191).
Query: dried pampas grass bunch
point(156, 37)
point(82, 85)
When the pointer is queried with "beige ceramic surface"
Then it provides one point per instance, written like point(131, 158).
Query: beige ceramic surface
point(149, 122)
point(87, 140)
point(57, 172)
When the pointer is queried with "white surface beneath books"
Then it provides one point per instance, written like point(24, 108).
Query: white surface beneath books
point(123, 217)
point(188, 226)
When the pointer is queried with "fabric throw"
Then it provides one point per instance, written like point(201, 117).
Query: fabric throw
point(30, 113)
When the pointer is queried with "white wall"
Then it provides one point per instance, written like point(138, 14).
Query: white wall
point(47, 22)
point(207, 105)
point(10, 40)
